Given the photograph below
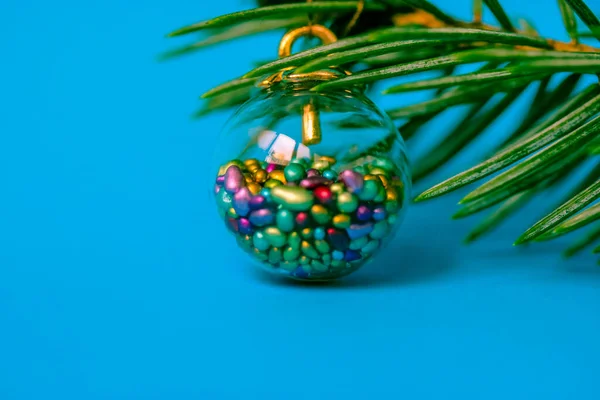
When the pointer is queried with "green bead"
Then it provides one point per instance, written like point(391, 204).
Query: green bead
point(326, 259)
point(380, 230)
point(224, 199)
point(337, 188)
point(304, 260)
point(370, 247)
point(302, 161)
point(318, 266)
point(285, 220)
point(338, 263)
point(347, 202)
point(370, 190)
point(260, 255)
point(383, 163)
point(360, 169)
point(292, 198)
point(307, 233)
point(294, 172)
point(275, 256)
point(264, 164)
point(381, 195)
point(307, 268)
point(309, 250)
point(320, 214)
point(392, 219)
point(294, 240)
point(291, 253)
point(275, 237)
point(231, 213)
point(341, 221)
point(271, 183)
point(359, 243)
point(391, 206)
point(322, 246)
point(260, 241)
point(245, 242)
point(288, 265)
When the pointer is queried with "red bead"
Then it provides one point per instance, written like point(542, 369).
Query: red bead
point(302, 220)
point(323, 194)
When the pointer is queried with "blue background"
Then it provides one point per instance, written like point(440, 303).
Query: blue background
point(118, 282)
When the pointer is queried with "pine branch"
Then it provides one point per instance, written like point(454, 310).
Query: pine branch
point(560, 128)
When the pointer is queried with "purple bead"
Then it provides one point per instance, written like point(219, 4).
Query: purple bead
point(353, 180)
point(244, 226)
point(337, 239)
point(357, 231)
point(261, 217)
point(241, 201)
point(314, 182)
point(257, 202)
point(234, 179)
point(271, 168)
point(220, 180)
point(379, 214)
point(363, 213)
point(313, 172)
point(351, 255)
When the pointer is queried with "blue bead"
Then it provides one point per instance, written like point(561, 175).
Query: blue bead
point(266, 193)
point(319, 233)
point(329, 174)
point(337, 255)
point(300, 273)
point(351, 255)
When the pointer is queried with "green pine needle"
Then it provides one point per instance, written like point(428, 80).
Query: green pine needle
point(559, 124)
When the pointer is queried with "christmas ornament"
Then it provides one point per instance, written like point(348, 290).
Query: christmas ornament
point(312, 184)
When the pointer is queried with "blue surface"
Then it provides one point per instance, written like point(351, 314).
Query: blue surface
point(115, 283)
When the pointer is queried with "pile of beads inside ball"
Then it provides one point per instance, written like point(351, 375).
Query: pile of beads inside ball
point(309, 220)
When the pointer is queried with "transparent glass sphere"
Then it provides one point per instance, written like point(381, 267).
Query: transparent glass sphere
point(311, 184)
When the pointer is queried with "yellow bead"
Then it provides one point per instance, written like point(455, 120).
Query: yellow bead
point(330, 160)
point(248, 178)
point(251, 161)
point(278, 175)
point(384, 179)
point(254, 188)
point(253, 168)
point(260, 176)
point(369, 177)
point(391, 195)
point(377, 171)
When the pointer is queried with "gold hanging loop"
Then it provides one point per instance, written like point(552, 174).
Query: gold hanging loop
point(311, 126)
point(318, 31)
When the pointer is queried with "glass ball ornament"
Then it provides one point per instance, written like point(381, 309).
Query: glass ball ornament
point(311, 184)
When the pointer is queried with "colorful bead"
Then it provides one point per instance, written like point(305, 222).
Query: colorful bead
point(353, 180)
point(323, 194)
point(261, 217)
point(356, 231)
point(234, 179)
point(294, 172)
point(363, 213)
point(347, 202)
point(341, 221)
point(285, 220)
point(309, 222)
point(293, 198)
